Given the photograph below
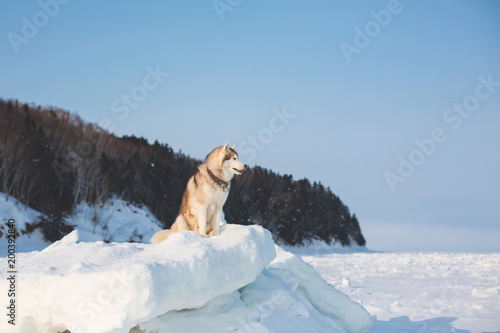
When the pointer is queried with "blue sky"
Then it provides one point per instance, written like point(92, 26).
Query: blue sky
point(275, 79)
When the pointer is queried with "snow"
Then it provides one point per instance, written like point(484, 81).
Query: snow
point(350, 315)
point(22, 215)
point(418, 292)
point(114, 221)
point(239, 281)
point(231, 282)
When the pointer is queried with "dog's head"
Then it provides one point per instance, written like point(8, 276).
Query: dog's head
point(230, 161)
point(226, 158)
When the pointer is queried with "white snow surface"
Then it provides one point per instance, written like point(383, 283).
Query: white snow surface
point(114, 221)
point(233, 282)
point(418, 292)
point(10, 210)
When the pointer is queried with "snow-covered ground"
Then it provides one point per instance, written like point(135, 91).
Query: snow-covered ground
point(236, 282)
point(418, 292)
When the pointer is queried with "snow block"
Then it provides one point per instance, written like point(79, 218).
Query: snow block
point(289, 296)
point(352, 316)
point(270, 304)
point(99, 287)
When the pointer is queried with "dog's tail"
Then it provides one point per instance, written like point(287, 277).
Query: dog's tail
point(160, 236)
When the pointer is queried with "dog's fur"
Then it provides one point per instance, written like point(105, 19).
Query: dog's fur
point(204, 197)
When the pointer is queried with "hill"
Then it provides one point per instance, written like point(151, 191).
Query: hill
point(51, 160)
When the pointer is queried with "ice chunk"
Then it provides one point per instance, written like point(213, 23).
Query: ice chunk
point(352, 316)
point(117, 285)
point(68, 240)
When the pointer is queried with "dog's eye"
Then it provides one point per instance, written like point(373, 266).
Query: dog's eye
point(234, 158)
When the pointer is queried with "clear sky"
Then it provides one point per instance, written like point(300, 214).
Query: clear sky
point(395, 105)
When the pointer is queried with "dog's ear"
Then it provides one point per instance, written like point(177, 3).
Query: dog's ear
point(226, 147)
point(233, 146)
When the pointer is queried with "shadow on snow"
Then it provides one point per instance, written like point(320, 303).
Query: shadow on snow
point(405, 325)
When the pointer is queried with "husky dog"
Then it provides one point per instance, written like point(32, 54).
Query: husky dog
point(205, 194)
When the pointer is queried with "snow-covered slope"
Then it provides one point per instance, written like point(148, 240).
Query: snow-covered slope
point(22, 215)
point(228, 283)
point(115, 221)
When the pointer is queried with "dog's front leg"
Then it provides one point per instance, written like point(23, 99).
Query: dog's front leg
point(202, 221)
point(216, 221)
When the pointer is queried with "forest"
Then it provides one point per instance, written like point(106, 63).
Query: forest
point(51, 160)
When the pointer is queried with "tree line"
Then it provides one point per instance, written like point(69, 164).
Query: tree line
point(51, 160)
